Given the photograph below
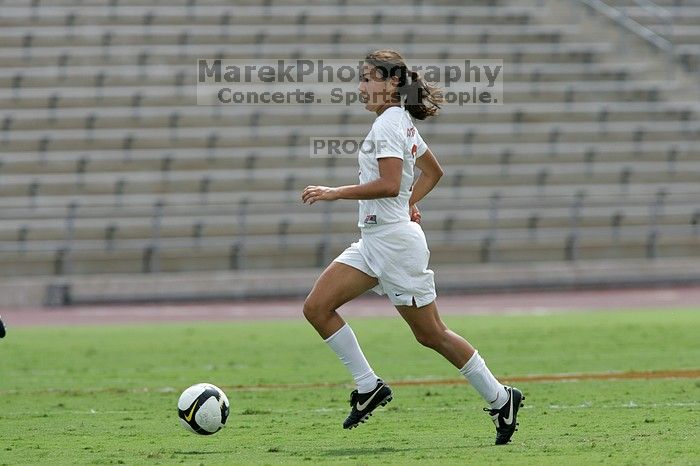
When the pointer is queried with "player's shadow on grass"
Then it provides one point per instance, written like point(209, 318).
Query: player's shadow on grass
point(195, 452)
point(365, 451)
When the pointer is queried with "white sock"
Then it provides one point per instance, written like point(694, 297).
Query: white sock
point(481, 378)
point(345, 345)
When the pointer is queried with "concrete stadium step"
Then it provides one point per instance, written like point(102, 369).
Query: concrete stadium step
point(688, 35)
point(438, 223)
point(214, 15)
point(662, 3)
point(241, 137)
point(613, 208)
point(186, 254)
point(450, 155)
point(460, 197)
point(258, 3)
point(175, 117)
point(562, 245)
point(445, 223)
point(680, 15)
point(92, 35)
point(162, 163)
point(169, 54)
point(177, 74)
point(174, 254)
point(139, 97)
point(207, 181)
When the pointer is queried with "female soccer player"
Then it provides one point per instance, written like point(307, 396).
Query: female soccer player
point(392, 255)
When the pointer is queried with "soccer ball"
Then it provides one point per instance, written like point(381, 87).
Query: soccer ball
point(203, 409)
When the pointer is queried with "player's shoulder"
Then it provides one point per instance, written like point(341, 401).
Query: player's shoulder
point(393, 118)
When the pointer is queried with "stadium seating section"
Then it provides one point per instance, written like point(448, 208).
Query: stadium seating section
point(108, 168)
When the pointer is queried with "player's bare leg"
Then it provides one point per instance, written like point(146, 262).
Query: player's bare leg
point(430, 331)
point(337, 285)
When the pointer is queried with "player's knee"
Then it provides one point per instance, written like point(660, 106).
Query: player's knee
point(308, 309)
point(428, 339)
point(313, 309)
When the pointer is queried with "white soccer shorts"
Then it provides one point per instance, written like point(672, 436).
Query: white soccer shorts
point(396, 254)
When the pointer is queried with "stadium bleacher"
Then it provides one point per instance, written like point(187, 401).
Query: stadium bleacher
point(111, 176)
point(675, 21)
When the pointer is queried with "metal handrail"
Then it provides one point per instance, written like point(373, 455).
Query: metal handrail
point(655, 8)
point(662, 14)
point(624, 20)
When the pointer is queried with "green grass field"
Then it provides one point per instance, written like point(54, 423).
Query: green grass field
point(94, 395)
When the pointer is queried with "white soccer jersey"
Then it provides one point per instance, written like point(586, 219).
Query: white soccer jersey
point(392, 135)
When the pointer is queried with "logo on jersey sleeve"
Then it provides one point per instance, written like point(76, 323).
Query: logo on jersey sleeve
point(371, 220)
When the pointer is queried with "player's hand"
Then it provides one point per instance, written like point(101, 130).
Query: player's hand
point(312, 194)
point(414, 213)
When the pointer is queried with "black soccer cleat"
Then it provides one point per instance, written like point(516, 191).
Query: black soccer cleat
point(362, 404)
point(505, 417)
point(2, 329)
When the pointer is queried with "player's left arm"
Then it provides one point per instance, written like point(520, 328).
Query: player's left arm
point(430, 174)
point(387, 185)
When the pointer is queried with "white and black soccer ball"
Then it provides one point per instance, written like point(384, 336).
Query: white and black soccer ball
point(203, 409)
